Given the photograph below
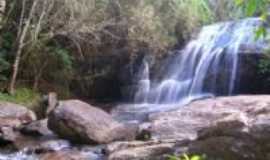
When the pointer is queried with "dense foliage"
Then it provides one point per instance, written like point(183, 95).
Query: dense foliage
point(259, 8)
point(56, 45)
point(22, 96)
point(255, 8)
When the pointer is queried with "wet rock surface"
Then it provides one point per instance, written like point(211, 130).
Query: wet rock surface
point(227, 128)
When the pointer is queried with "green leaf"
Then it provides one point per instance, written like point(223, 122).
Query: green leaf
point(185, 156)
point(239, 2)
point(251, 7)
point(196, 158)
point(261, 32)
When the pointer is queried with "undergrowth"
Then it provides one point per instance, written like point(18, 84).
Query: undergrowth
point(22, 96)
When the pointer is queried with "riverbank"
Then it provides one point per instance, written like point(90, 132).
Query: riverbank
point(227, 128)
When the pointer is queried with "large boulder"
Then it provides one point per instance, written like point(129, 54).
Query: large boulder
point(12, 118)
point(187, 121)
point(83, 123)
point(227, 128)
point(230, 128)
point(15, 111)
point(138, 150)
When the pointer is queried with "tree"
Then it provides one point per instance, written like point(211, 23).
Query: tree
point(2, 10)
point(255, 8)
point(84, 29)
point(39, 21)
point(24, 26)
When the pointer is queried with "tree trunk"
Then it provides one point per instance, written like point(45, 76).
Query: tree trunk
point(2, 11)
point(15, 70)
point(36, 83)
point(20, 44)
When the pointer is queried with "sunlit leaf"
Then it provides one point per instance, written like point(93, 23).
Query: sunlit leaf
point(185, 156)
point(263, 17)
point(196, 158)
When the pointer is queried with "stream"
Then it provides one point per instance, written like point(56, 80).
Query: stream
point(194, 73)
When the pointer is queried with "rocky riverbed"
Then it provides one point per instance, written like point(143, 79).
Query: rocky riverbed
point(227, 128)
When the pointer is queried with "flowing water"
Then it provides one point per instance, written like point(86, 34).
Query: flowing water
point(206, 67)
point(26, 155)
point(20, 155)
point(196, 70)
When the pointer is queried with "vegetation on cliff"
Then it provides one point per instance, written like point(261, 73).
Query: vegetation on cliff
point(62, 46)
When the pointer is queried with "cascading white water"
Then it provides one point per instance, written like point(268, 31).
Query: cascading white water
point(207, 66)
point(196, 70)
point(144, 83)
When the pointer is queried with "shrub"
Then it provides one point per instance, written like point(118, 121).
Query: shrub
point(22, 96)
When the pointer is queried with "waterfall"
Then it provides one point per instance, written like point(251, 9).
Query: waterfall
point(207, 66)
point(144, 83)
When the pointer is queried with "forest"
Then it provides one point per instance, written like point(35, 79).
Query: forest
point(134, 79)
point(62, 46)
